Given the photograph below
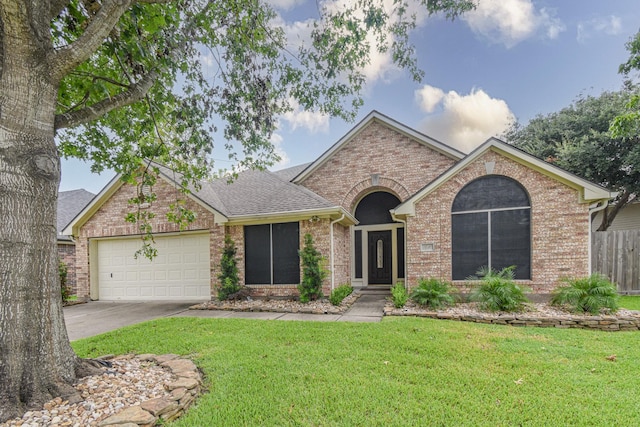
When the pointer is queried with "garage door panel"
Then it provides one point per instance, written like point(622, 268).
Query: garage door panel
point(180, 271)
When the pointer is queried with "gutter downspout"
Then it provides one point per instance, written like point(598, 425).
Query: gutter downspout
point(332, 257)
point(406, 233)
point(593, 210)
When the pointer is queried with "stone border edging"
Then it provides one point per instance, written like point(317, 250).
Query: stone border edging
point(183, 392)
point(279, 306)
point(603, 323)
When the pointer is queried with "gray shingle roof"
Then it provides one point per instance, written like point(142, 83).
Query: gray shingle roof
point(70, 203)
point(260, 192)
point(289, 173)
point(256, 192)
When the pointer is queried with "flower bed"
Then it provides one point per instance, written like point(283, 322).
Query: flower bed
point(539, 315)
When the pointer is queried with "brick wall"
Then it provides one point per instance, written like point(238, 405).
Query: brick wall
point(109, 221)
point(559, 226)
point(404, 166)
point(67, 254)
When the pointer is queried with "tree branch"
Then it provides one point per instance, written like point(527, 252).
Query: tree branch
point(133, 94)
point(609, 216)
point(57, 6)
point(69, 57)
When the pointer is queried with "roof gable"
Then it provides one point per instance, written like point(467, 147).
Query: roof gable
point(375, 116)
point(588, 191)
point(72, 229)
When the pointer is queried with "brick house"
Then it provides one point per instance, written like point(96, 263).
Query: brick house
point(384, 204)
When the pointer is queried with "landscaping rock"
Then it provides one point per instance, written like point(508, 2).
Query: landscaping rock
point(534, 315)
point(134, 415)
point(130, 393)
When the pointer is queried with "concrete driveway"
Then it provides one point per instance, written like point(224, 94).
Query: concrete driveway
point(97, 317)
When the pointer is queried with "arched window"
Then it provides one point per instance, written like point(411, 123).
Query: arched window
point(374, 208)
point(490, 227)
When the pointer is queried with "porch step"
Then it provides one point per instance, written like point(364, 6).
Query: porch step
point(376, 290)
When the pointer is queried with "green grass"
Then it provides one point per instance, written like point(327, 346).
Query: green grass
point(629, 302)
point(401, 372)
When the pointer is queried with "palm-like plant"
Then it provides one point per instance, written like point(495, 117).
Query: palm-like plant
point(589, 294)
point(432, 293)
point(497, 290)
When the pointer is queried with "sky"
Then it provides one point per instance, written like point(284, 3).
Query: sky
point(508, 60)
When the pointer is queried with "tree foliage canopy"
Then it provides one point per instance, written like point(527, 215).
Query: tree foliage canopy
point(168, 71)
point(628, 123)
point(577, 138)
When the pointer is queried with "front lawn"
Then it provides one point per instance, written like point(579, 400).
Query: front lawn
point(629, 302)
point(401, 372)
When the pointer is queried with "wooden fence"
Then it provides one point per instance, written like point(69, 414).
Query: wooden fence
point(616, 254)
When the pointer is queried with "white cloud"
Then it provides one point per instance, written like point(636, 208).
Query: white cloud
point(610, 25)
point(429, 97)
point(313, 121)
point(276, 140)
point(380, 66)
point(511, 21)
point(285, 4)
point(466, 121)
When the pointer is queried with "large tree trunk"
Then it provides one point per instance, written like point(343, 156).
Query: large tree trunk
point(36, 360)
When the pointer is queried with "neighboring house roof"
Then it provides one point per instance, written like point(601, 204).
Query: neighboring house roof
point(588, 191)
point(70, 203)
point(389, 122)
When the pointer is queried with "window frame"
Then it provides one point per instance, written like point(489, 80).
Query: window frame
point(489, 230)
point(274, 271)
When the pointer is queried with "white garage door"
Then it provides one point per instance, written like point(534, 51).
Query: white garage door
point(181, 270)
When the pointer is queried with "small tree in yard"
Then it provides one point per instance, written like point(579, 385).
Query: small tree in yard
point(65, 291)
point(312, 271)
point(229, 281)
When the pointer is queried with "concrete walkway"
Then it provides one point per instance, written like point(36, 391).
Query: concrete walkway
point(97, 317)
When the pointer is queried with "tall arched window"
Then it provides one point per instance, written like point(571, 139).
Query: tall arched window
point(490, 227)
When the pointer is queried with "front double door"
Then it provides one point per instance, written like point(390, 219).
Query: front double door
point(380, 268)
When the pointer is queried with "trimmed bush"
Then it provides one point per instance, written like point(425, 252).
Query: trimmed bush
point(433, 293)
point(589, 294)
point(340, 293)
point(498, 291)
point(65, 291)
point(399, 295)
point(313, 273)
point(229, 281)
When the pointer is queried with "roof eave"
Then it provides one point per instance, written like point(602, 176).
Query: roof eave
point(107, 191)
point(333, 213)
point(588, 191)
point(73, 228)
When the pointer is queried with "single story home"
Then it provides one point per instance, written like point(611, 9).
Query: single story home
point(384, 204)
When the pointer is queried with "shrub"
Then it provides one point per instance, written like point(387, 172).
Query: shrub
point(229, 281)
point(432, 293)
point(589, 294)
point(340, 293)
point(399, 295)
point(498, 291)
point(312, 271)
point(65, 291)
